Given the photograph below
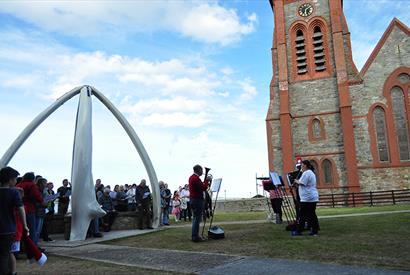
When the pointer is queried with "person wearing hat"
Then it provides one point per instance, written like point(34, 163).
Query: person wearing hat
point(309, 197)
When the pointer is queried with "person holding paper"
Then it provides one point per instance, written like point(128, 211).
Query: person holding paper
point(144, 205)
point(64, 199)
point(309, 197)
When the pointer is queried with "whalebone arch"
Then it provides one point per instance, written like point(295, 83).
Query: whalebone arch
point(81, 166)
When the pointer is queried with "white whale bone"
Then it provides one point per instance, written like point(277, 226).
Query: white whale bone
point(84, 206)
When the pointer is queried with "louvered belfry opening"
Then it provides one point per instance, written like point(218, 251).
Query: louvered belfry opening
point(318, 49)
point(301, 60)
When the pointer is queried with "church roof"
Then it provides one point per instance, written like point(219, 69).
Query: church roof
point(395, 22)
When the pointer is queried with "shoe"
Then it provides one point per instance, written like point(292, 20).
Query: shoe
point(97, 235)
point(296, 233)
point(150, 227)
point(197, 240)
point(49, 240)
point(313, 234)
point(167, 224)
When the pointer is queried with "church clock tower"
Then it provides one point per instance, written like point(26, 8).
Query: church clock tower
point(310, 111)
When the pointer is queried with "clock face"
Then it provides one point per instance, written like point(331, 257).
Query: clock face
point(305, 9)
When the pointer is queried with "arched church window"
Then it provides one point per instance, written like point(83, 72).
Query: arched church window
point(327, 169)
point(379, 118)
point(301, 61)
point(316, 167)
point(318, 49)
point(317, 130)
point(404, 78)
point(400, 122)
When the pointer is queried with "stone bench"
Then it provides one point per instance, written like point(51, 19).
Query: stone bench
point(58, 224)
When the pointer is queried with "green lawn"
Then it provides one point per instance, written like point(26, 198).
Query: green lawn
point(261, 215)
point(377, 240)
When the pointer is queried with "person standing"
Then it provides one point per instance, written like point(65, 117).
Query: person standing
point(196, 196)
point(64, 198)
point(164, 207)
point(31, 196)
point(176, 206)
point(95, 223)
point(9, 201)
point(144, 205)
point(185, 204)
point(276, 202)
point(41, 208)
point(309, 197)
point(131, 195)
point(168, 198)
point(50, 212)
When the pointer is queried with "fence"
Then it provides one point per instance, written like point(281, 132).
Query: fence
point(371, 198)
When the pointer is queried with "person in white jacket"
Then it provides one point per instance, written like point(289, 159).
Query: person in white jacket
point(309, 197)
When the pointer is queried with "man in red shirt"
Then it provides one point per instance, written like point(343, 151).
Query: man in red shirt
point(32, 196)
point(196, 196)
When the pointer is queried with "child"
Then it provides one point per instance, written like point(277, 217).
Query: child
point(176, 203)
point(9, 200)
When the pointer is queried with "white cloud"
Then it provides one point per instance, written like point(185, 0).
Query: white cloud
point(177, 119)
point(227, 70)
point(210, 23)
point(224, 94)
point(249, 91)
point(215, 24)
point(21, 81)
point(164, 105)
point(162, 93)
point(172, 112)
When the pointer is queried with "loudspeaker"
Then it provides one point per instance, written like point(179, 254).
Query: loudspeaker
point(216, 232)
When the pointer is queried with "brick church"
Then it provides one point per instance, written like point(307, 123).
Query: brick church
point(354, 126)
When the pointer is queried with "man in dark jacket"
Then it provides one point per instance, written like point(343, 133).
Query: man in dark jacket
point(106, 203)
point(64, 198)
point(143, 196)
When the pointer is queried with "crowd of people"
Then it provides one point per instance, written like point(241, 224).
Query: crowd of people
point(22, 214)
point(28, 204)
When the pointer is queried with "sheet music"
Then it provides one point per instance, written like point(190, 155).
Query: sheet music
point(275, 178)
point(216, 185)
point(51, 197)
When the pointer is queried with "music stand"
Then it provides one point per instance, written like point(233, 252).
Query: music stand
point(215, 232)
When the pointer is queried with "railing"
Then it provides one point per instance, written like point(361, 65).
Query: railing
point(365, 198)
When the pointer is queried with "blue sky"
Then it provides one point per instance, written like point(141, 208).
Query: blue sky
point(192, 77)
